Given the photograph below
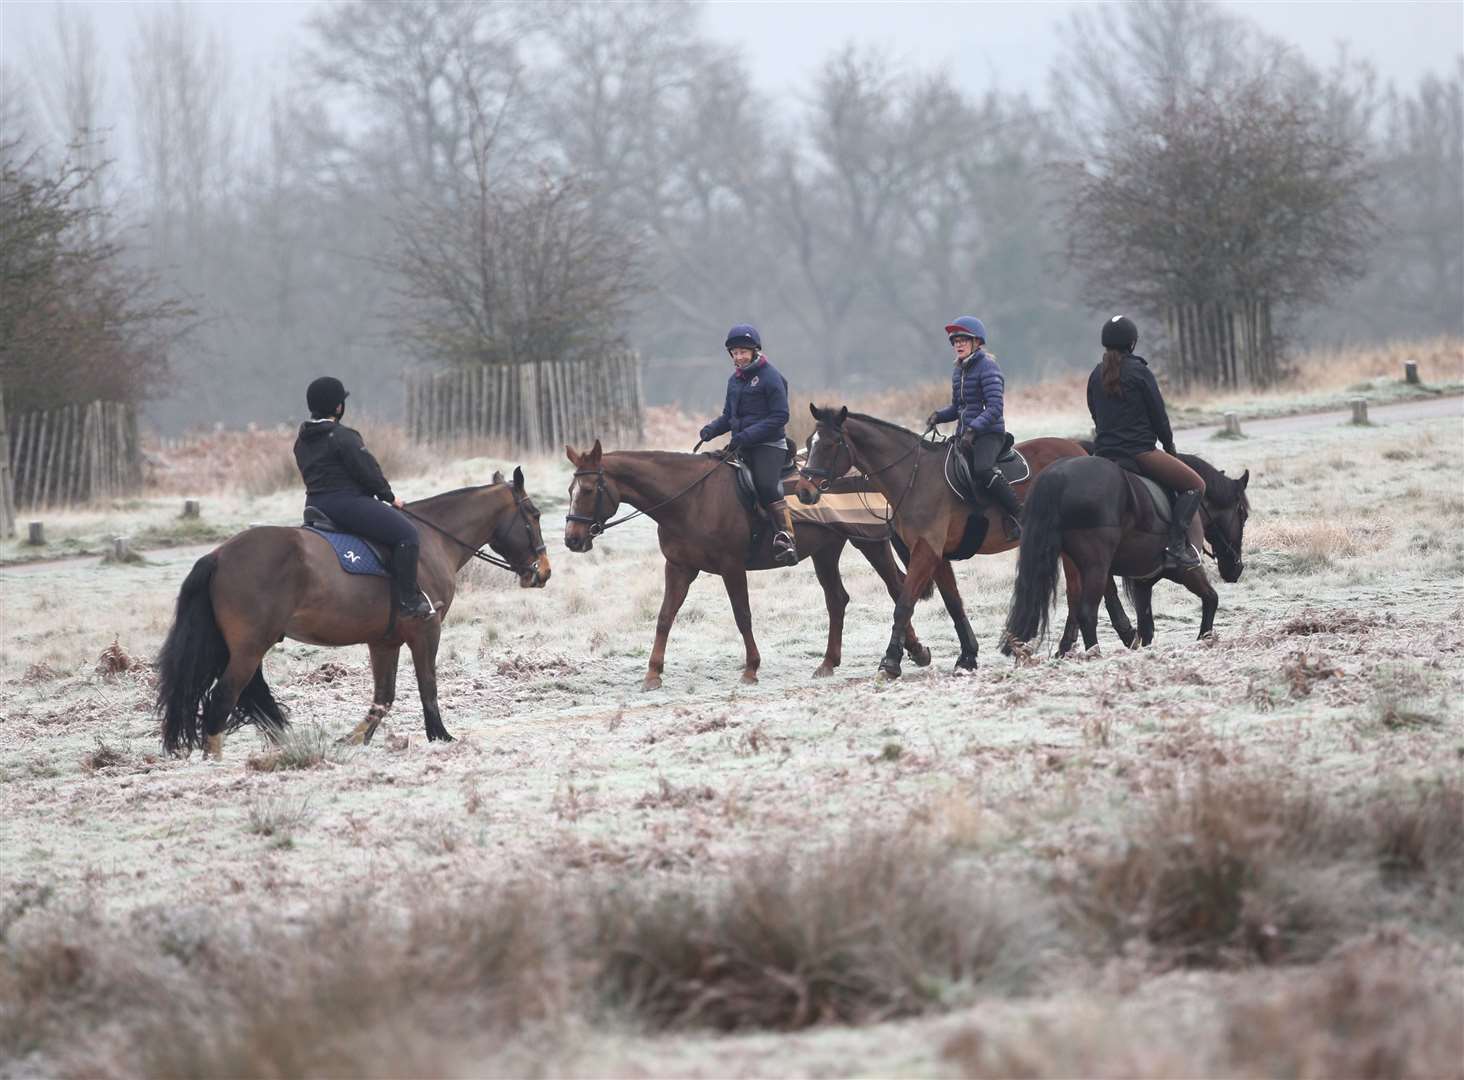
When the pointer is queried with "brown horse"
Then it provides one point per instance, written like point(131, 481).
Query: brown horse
point(931, 521)
point(703, 528)
point(269, 583)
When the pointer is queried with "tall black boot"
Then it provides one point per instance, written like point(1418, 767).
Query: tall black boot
point(411, 602)
point(784, 550)
point(1179, 555)
point(1001, 493)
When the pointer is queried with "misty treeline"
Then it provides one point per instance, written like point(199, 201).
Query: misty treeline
point(450, 183)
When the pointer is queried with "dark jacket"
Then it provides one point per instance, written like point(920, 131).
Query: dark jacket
point(976, 396)
point(332, 457)
point(756, 408)
point(1134, 421)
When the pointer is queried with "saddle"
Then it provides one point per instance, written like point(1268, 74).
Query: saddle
point(1161, 498)
point(357, 555)
point(958, 471)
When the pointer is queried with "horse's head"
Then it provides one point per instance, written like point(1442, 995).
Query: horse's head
point(1226, 510)
point(517, 538)
point(593, 498)
point(829, 456)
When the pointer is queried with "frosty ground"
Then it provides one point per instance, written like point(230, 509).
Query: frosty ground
point(1336, 673)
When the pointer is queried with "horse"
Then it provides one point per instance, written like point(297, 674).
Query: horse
point(269, 583)
point(930, 520)
point(702, 527)
point(1093, 513)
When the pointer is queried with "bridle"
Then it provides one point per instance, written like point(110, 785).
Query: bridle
point(1218, 539)
point(596, 520)
point(524, 513)
point(823, 479)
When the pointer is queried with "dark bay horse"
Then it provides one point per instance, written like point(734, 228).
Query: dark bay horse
point(1097, 517)
point(703, 529)
point(929, 518)
point(269, 583)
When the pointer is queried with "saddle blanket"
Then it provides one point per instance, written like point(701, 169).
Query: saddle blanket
point(858, 515)
point(355, 555)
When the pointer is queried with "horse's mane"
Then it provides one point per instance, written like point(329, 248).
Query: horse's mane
point(1224, 489)
point(892, 426)
point(454, 492)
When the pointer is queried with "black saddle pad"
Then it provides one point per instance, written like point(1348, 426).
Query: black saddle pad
point(958, 471)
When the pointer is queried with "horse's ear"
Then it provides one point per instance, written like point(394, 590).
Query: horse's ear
point(843, 414)
point(569, 452)
point(518, 478)
point(1244, 479)
point(498, 476)
point(812, 408)
point(595, 452)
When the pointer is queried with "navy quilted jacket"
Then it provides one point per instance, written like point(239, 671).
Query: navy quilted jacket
point(756, 409)
point(976, 395)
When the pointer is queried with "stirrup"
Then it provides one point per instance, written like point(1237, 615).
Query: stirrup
point(784, 549)
point(1182, 557)
point(418, 607)
point(1011, 526)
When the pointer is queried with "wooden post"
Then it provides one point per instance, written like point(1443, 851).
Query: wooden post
point(1232, 424)
point(7, 476)
point(1359, 410)
point(121, 549)
point(36, 534)
point(1410, 372)
point(191, 508)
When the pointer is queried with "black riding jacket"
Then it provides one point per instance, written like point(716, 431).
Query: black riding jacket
point(1133, 422)
point(332, 457)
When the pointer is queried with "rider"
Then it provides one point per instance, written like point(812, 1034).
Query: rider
point(976, 398)
point(344, 481)
point(1129, 418)
point(755, 412)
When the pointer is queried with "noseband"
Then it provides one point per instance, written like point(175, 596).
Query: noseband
point(594, 519)
point(1218, 539)
point(823, 479)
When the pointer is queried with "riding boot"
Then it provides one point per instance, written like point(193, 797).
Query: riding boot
point(784, 549)
point(1179, 555)
point(1001, 493)
point(410, 600)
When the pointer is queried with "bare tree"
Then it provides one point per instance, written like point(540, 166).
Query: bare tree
point(72, 85)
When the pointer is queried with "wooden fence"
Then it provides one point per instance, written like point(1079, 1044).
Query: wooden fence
point(78, 452)
point(535, 407)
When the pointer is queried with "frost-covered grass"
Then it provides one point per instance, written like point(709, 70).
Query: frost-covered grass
point(1274, 813)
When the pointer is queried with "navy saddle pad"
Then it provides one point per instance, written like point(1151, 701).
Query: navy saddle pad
point(356, 555)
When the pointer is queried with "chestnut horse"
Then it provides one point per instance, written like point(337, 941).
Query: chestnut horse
point(269, 583)
point(703, 528)
point(928, 517)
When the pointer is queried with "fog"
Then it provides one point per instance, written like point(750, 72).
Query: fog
point(847, 176)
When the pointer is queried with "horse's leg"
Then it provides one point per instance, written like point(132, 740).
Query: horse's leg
point(945, 580)
point(678, 581)
point(1117, 616)
point(1144, 610)
point(384, 660)
point(881, 556)
point(735, 578)
point(836, 599)
point(243, 663)
point(923, 565)
point(423, 644)
point(1196, 582)
point(1074, 582)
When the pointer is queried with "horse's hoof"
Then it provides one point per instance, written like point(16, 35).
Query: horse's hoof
point(889, 671)
point(920, 655)
point(823, 671)
point(965, 663)
point(749, 678)
point(653, 682)
point(440, 735)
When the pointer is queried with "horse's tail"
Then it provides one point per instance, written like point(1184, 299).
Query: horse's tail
point(904, 553)
point(257, 703)
point(193, 657)
point(1035, 590)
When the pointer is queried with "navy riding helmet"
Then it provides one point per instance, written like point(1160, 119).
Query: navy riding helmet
point(967, 326)
point(744, 336)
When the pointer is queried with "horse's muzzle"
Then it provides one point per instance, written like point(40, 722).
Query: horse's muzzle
point(808, 491)
point(577, 542)
point(538, 576)
point(1230, 571)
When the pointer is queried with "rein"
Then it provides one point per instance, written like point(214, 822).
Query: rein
point(1219, 534)
point(597, 522)
point(825, 477)
point(520, 514)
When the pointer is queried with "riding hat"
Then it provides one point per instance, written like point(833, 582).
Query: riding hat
point(1120, 333)
point(967, 326)
point(325, 395)
point(744, 336)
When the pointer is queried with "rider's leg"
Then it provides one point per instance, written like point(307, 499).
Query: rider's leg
point(365, 516)
point(767, 475)
point(991, 482)
point(1168, 471)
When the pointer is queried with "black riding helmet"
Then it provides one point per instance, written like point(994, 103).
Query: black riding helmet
point(324, 396)
point(1120, 333)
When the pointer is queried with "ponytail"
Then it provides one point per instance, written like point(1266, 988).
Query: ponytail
point(1112, 363)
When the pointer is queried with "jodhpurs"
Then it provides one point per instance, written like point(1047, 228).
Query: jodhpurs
point(766, 463)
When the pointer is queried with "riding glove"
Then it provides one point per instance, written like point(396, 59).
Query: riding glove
point(734, 443)
point(707, 434)
point(932, 420)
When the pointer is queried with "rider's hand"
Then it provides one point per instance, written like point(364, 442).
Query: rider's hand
point(967, 438)
point(707, 435)
point(397, 502)
point(932, 420)
point(735, 443)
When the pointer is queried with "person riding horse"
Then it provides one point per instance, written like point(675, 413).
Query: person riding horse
point(976, 399)
point(344, 481)
point(1129, 418)
point(756, 412)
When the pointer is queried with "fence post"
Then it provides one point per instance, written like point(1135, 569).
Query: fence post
point(1232, 424)
point(1359, 410)
point(1410, 372)
point(121, 550)
point(36, 534)
point(190, 508)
